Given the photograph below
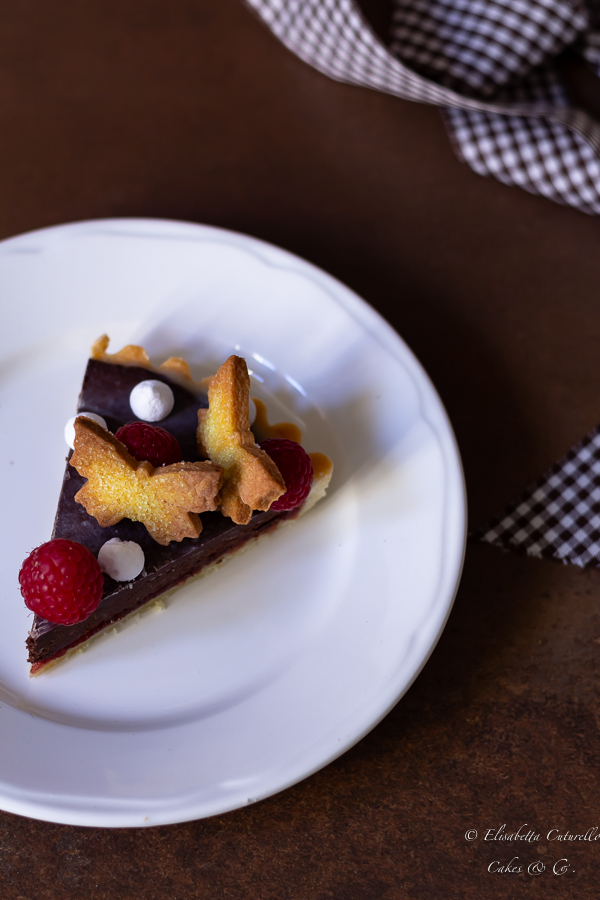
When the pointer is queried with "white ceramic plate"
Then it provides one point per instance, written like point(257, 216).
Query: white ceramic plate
point(266, 670)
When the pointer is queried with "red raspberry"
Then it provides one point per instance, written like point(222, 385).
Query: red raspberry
point(148, 442)
point(296, 468)
point(61, 581)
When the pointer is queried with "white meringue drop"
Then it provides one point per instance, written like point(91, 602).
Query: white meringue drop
point(122, 560)
point(151, 400)
point(70, 426)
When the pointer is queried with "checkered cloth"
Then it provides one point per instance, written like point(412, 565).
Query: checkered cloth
point(559, 514)
point(489, 64)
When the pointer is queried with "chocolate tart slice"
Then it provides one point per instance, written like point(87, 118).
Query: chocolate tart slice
point(107, 385)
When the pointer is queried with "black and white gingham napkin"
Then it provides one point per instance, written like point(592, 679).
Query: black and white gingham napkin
point(558, 515)
point(490, 66)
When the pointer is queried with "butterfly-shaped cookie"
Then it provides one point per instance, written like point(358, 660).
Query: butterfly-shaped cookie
point(251, 480)
point(166, 500)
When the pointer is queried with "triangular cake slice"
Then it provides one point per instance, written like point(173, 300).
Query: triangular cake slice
point(107, 386)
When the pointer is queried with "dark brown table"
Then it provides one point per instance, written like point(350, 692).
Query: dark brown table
point(191, 110)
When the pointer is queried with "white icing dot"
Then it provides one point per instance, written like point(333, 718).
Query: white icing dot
point(70, 426)
point(151, 401)
point(122, 560)
point(253, 412)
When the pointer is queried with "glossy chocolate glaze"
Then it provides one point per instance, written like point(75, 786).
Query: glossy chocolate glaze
point(105, 391)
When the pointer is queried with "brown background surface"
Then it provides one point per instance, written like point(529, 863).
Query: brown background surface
point(191, 110)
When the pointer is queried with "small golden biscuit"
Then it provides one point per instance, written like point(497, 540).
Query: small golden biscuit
point(166, 500)
point(251, 480)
